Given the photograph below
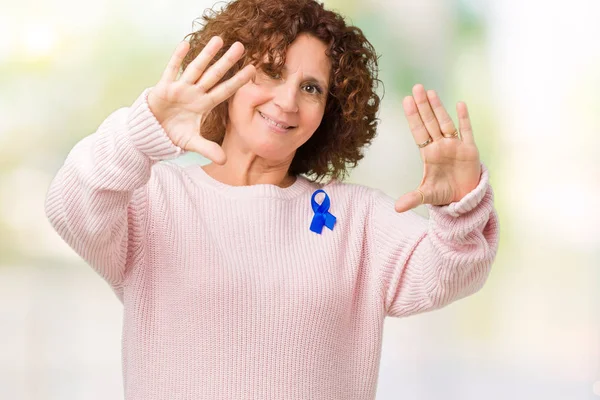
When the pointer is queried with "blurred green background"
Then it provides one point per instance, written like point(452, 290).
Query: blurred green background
point(529, 73)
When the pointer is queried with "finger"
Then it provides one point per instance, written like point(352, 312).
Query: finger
point(446, 124)
point(427, 115)
point(415, 124)
point(172, 69)
point(207, 148)
point(408, 201)
point(196, 68)
point(464, 123)
point(220, 68)
point(226, 89)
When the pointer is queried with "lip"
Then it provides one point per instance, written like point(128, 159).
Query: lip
point(276, 128)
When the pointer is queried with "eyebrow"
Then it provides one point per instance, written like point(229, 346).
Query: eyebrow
point(310, 78)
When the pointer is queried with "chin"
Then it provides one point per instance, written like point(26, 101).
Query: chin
point(266, 144)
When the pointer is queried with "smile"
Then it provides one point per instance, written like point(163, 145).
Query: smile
point(274, 124)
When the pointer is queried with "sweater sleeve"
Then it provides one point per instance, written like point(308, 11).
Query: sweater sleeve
point(97, 200)
point(425, 264)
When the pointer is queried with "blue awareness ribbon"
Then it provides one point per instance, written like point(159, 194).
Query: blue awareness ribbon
point(322, 215)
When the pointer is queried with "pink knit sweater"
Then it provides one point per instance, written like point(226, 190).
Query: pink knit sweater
point(228, 294)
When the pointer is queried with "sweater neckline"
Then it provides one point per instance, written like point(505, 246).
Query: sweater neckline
point(300, 186)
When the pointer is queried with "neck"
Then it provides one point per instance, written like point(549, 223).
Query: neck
point(229, 174)
point(246, 169)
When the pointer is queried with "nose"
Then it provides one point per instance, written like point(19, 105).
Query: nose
point(285, 97)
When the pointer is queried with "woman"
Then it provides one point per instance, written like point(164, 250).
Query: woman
point(243, 279)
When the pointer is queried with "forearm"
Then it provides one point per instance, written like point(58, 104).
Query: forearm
point(89, 202)
point(450, 255)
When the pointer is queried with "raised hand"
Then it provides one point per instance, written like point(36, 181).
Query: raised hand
point(181, 105)
point(451, 163)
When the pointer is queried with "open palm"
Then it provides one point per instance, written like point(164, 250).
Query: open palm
point(451, 165)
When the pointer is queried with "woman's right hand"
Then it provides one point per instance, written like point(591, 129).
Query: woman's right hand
point(181, 105)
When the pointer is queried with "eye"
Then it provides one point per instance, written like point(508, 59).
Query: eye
point(313, 89)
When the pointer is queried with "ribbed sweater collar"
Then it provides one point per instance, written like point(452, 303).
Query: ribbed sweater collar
point(301, 186)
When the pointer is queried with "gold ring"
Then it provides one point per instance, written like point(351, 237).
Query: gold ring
point(452, 135)
point(422, 195)
point(425, 143)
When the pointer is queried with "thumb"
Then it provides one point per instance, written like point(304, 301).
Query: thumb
point(207, 148)
point(408, 201)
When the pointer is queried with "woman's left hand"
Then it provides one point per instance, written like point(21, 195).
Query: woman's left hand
point(451, 164)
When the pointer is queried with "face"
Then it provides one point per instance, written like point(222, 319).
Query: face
point(272, 116)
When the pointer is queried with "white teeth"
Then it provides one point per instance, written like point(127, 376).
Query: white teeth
point(270, 121)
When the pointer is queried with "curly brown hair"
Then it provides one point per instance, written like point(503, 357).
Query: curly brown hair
point(266, 28)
